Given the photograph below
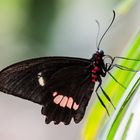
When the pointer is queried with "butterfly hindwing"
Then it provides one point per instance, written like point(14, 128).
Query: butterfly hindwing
point(86, 90)
point(69, 89)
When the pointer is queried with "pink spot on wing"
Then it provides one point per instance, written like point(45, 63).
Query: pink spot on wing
point(75, 106)
point(64, 101)
point(54, 94)
point(58, 99)
point(70, 102)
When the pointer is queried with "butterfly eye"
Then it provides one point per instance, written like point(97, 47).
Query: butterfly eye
point(101, 52)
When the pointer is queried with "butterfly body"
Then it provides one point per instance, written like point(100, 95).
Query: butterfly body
point(98, 66)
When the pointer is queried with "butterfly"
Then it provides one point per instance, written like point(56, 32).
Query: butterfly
point(61, 85)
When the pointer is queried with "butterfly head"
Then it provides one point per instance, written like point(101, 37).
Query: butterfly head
point(100, 52)
point(98, 55)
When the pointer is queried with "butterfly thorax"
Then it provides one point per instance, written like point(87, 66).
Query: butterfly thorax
point(97, 66)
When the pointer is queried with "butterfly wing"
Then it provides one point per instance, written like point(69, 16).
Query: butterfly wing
point(22, 79)
point(69, 92)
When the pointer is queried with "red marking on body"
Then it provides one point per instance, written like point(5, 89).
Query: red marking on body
point(97, 62)
point(93, 71)
point(94, 76)
point(93, 80)
point(97, 68)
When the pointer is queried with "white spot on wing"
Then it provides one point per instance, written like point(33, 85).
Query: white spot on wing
point(41, 80)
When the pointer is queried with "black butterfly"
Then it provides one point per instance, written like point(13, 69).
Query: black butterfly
point(62, 85)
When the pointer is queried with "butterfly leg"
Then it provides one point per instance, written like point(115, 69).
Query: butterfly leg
point(124, 68)
point(108, 98)
point(120, 66)
point(100, 82)
point(118, 57)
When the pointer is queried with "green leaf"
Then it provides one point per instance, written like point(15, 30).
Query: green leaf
point(116, 126)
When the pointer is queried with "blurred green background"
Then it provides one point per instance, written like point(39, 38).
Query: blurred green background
point(34, 28)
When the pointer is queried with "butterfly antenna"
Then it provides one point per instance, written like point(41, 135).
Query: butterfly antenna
point(106, 30)
point(97, 38)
